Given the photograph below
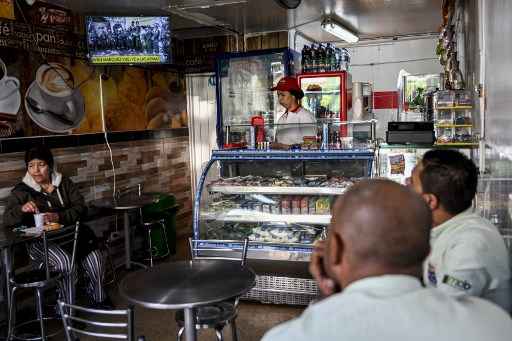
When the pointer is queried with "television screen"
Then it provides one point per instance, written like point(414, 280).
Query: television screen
point(128, 40)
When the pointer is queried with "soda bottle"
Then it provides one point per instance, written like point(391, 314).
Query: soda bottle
point(333, 59)
point(321, 58)
point(337, 52)
point(304, 58)
point(314, 60)
point(328, 57)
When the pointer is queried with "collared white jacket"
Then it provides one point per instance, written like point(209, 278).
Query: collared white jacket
point(293, 126)
point(396, 307)
point(469, 257)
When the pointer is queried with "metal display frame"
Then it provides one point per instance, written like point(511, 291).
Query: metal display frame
point(273, 287)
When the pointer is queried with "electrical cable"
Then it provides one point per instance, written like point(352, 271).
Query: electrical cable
point(104, 127)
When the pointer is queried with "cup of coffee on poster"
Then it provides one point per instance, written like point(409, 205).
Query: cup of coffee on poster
point(8, 85)
point(56, 85)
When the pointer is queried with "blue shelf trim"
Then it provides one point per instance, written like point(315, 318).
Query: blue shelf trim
point(332, 154)
point(253, 246)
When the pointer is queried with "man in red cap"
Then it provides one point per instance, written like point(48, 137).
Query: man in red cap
point(296, 122)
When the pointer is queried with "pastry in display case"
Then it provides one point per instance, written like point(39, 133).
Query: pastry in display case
point(280, 200)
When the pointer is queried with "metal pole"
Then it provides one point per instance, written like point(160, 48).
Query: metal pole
point(190, 325)
point(127, 247)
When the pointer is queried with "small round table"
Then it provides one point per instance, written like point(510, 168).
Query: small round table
point(126, 203)
point(187, 284)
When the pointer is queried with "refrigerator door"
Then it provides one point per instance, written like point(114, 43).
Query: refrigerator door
point(328, 96)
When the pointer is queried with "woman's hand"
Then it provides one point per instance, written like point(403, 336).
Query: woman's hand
point(51, 218)
point(316, 267)
point(29, 207)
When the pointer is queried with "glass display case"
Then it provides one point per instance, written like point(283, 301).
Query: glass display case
point(279, 200)
point(243, 87)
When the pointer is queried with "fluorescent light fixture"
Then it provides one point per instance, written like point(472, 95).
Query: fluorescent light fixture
point(339, 31)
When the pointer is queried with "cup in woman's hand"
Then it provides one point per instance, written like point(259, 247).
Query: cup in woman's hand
point(39, 219)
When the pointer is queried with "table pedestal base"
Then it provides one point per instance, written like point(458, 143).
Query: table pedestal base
point(190, 325)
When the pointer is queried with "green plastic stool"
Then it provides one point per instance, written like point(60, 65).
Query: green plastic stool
point(162, 241)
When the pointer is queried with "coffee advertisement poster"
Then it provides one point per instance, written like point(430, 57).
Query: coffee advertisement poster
point(47, 86)
point(62, 95)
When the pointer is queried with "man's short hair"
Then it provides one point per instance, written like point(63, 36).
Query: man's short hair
point(451, 177)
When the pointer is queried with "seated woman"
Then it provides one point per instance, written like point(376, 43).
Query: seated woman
point(44, 190)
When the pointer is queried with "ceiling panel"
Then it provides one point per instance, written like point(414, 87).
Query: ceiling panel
point(369, 18)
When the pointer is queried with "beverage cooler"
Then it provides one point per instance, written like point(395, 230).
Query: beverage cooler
point(243, 90)
point(328, 95)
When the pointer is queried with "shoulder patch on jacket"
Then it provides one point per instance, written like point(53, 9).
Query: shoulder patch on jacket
point(456, 283)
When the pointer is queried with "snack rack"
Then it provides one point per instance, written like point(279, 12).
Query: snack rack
point(453, 118)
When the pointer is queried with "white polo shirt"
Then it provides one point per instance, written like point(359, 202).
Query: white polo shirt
point(469, 257)
point(298, 124)
point(392, 308)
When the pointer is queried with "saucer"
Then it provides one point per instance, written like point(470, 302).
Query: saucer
point(11, 104)
point(49, 122)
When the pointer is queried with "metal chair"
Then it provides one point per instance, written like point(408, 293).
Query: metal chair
point(215, 316)
point(121, 328)
point(42, 278)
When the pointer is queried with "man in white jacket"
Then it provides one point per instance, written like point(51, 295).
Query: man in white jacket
point(377, 242)
point(468, 256)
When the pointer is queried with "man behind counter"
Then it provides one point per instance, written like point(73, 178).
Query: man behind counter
point(296, 122)
point(377, 242)
point(469, 256)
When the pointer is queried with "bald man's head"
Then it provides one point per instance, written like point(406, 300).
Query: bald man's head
point(381, 224)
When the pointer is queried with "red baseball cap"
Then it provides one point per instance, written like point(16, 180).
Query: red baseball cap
point(287, 84)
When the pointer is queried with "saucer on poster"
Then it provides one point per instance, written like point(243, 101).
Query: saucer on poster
point(48, 121)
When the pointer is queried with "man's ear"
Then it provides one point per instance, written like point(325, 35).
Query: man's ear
point(431, 200)
point(336, 249)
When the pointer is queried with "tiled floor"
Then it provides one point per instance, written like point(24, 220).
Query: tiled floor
point(253, 321)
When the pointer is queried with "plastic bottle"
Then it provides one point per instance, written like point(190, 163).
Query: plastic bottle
point(305, 58)
point(328, 58)
point(337, 56)
point(314, 58)
point(321, 58)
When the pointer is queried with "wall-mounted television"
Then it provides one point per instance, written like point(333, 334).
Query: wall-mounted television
point(128, 40)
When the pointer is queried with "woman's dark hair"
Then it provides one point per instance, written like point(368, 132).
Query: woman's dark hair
point(298, 94)
point(41, 153)
point(451, 177)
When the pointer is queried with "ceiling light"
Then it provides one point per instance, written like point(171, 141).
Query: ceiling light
point(331, 26)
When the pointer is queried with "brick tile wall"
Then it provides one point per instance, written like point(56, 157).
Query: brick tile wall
point(161, 165)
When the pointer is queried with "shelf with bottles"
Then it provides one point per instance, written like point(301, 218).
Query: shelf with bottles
point(324, 58)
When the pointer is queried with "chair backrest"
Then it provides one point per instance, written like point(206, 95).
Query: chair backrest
point(198, 251)
point(66, 237)
point(98, 323)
